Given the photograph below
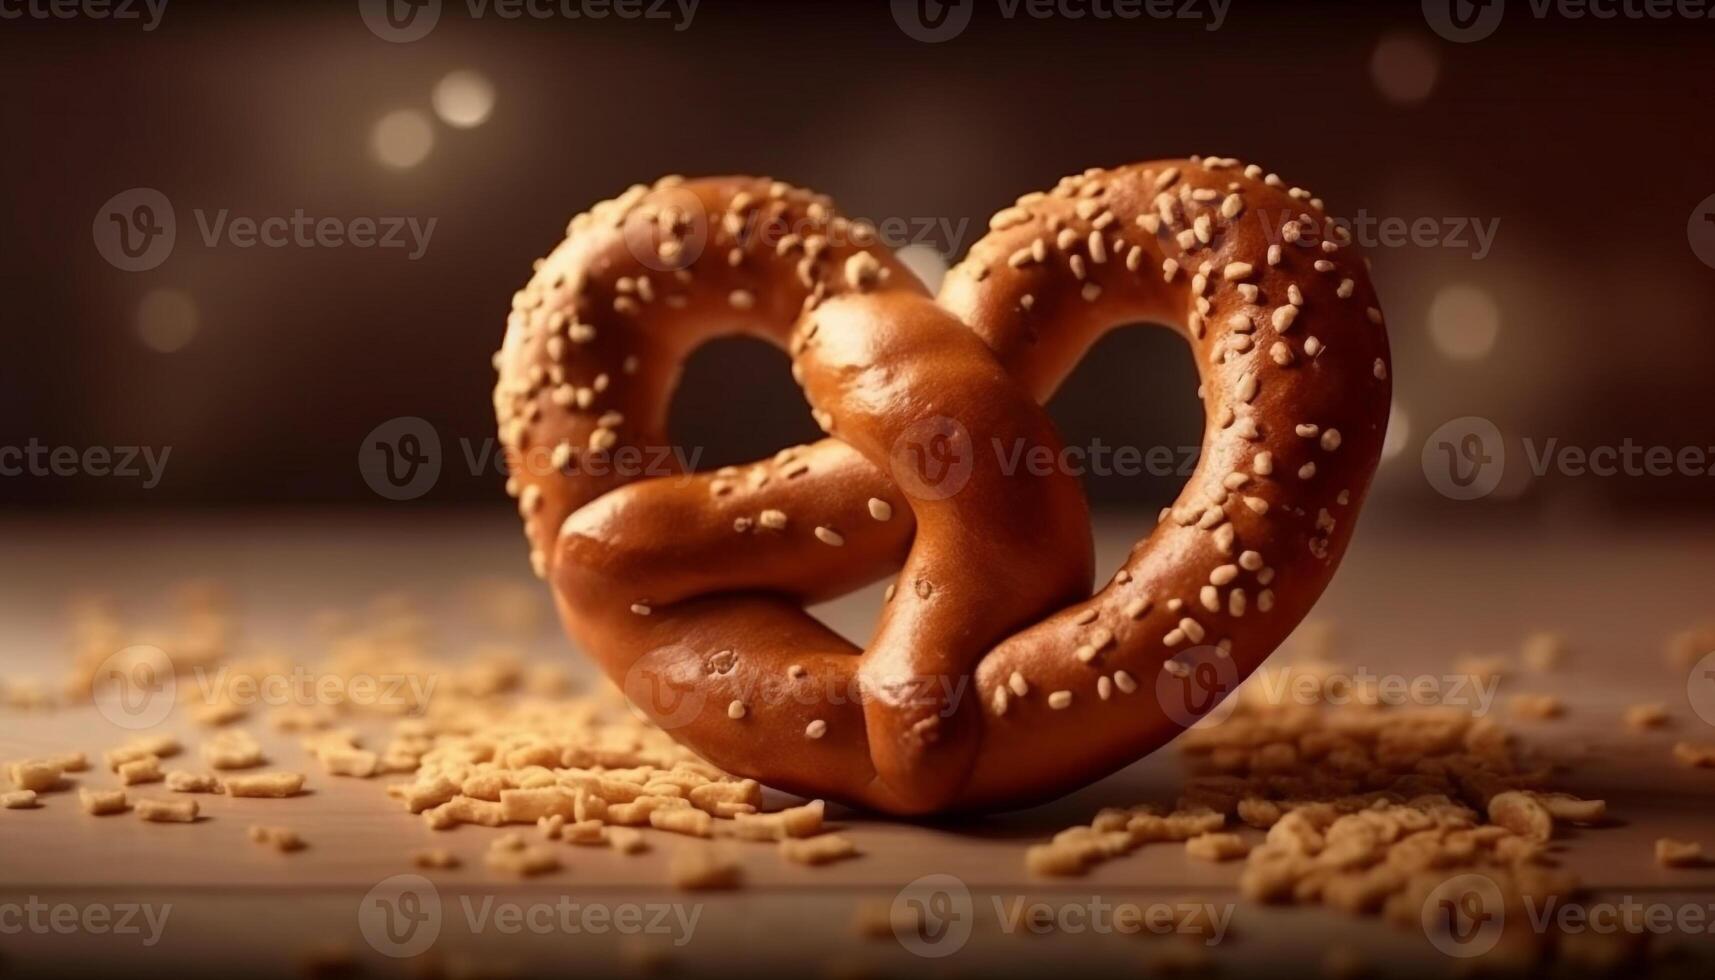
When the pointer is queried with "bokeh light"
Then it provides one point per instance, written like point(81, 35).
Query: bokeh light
point(464, 99)
point(925, 262)
point(402, 139)
point(167, 320)
point(1464, 321)
point(1405, 68)
point(1398, 432)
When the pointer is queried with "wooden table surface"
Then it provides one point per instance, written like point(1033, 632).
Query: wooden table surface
point(1407, 601)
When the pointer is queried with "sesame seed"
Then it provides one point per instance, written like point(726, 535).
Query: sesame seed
point(1280, 353)
point(1375, 315)
point(1257, 504)
point(641, 608)
point(1224, 575)
point(1265, 600)
point(1307, 431)
point(999, 701)
point(1135, 608)
point(1323, 265)
point(880, 509)
point(1346, 288)
point(741, 299)
point(1060, 700)
point(1380, 370)
point(1017, 684)
point(1124, 682)
point(774, 520)
point(829, 536)
point(1283, 318)
point(1307, 471)
point(1193, 629)
point(816, 729)
point(1274, 255)
point(1331, 440)
point(735, 710)
point(1210, 597)
point(1236, 271)
point(1312, 346)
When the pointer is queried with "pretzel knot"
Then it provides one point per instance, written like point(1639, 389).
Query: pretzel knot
point(994, 678)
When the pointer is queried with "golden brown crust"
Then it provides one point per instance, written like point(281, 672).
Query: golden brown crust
point(993, 678)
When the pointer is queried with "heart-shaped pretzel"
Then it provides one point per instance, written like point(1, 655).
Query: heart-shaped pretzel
point(994, 678)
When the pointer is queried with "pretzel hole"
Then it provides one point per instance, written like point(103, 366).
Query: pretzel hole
point(736, 403)
point(1134, 452)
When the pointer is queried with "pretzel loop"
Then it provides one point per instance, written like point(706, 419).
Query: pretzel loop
point(993, 678)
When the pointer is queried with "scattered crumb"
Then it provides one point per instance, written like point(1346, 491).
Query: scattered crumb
point(436, 858)
point(1697, 756)
point(1537, 707)
point(281, 839)
point(1645, 716)
point(101, 803)
point(825, 849)
point(267, 785)
point(1670, 853)
point(23, 799)
point(167, 811)
point(704, 868)
point(1217, 847)
point(1544, 652)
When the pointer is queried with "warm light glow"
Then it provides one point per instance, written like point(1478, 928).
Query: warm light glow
point(1464, 322)
point(925, 262)
point(1398, 432)
point(167, 320)
point(402, 139)
point(464, 99)
point(1405, 68)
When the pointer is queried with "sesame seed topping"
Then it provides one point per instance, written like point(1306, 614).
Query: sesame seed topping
point(774, 520)
point(1236, 271)
point(735, 710)
point(880, 509)
point(1224, 575)
point(1283, 318)
point(829, 536)
point(816, 729)
point(1124, 682)
point(741, 299)
point(1060, 700)
point(1331, 440)
point(641, 608)
point(1018, 685)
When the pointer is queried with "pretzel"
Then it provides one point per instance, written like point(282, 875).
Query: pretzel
point(994, 678)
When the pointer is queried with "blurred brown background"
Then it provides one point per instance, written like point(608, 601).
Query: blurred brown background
point(1580, 146)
